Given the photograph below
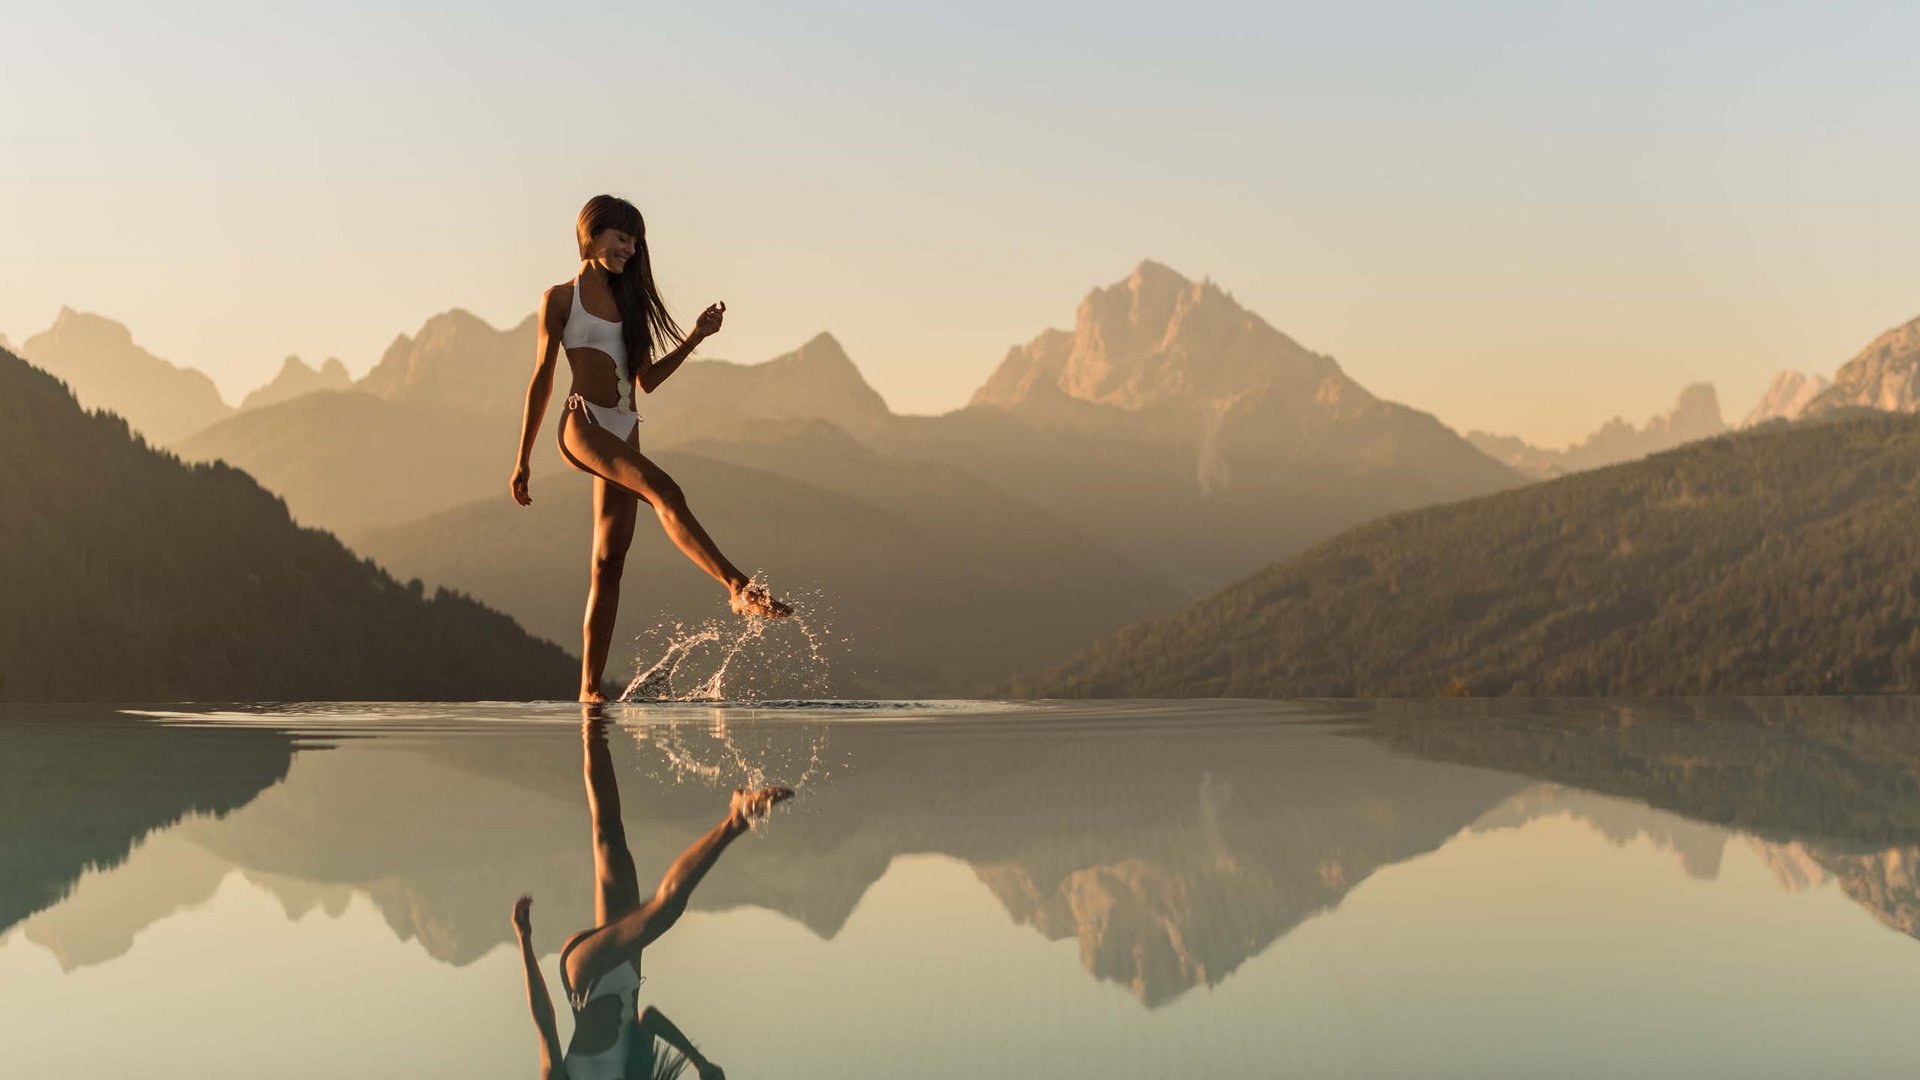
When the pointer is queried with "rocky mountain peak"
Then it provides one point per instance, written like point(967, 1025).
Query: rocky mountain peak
point(1786, 397)
point(456, 359)
point(73, 329)
point(98, 359)
point(822, 353)
point(296, 378)
point(1885, 375)
point(1155, 339)
point(815, 381)
point(1695, 415)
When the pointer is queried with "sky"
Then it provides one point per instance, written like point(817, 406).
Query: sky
point(1523, 217)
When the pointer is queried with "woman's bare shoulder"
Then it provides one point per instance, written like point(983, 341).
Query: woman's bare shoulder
point(556, 304)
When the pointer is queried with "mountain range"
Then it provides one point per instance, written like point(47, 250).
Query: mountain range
point(1170, 441)
point(1884, 376)
point(1696, 415)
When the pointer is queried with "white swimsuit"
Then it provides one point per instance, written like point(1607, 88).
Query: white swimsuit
point(585, 330)
point(609, 1064)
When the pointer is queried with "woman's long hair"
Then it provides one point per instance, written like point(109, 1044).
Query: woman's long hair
point(650, 1058)
point(645, 326)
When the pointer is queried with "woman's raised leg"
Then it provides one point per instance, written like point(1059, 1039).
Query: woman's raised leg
point(597, 451)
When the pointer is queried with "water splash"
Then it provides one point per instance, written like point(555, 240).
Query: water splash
point(730, 658)
point(729, 751)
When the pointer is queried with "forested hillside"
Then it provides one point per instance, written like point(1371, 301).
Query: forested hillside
point(129, 576)
point(1784, 560)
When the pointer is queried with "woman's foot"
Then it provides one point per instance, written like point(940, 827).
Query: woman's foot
point(593, 697)
point(753, 599)
point(747, 806)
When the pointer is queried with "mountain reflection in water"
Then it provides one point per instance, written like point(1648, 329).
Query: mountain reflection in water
point(1172, 844)
point(1172, 851)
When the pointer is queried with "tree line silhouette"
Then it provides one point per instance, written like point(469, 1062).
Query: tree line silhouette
point(1782, 560)
point(131, 576)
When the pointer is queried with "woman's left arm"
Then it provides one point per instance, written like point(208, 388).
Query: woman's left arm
point(656, 372)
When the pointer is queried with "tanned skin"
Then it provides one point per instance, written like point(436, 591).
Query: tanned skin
point(624, 921)
point(623, 476)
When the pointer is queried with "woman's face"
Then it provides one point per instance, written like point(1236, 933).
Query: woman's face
point(612, 248)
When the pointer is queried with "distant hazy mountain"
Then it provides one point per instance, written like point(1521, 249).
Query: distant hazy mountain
point(133, 577)
point(434, 425)
point(346, 460)
point(1786, 397)
point(1774, 561)
point(457, 362)
point(817, 381)
point(296, 378)
point(935, 582)
point(1198, 441)
point(1885, 375)
point(98, 360)
point(1696, 415)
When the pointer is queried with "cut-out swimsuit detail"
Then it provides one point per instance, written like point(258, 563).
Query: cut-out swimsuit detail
point(622, 983)
point(585, 330)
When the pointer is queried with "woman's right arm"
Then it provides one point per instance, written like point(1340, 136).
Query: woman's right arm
point(551, 1056)
point(553, 320)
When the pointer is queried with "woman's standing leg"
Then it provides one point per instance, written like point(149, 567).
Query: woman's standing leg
point(614, 511)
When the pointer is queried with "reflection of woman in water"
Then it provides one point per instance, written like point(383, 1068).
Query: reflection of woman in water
point(600, 967)
point(610, 320)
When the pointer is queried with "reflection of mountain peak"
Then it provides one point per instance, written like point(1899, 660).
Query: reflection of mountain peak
point(1699, 847)
point(1886, 883)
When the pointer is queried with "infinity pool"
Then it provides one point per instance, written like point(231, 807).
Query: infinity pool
point(969, 889)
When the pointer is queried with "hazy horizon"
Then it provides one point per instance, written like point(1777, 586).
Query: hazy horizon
point(1521, 221)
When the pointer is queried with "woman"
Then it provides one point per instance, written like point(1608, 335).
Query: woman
point(600, 967)
point(610, 321)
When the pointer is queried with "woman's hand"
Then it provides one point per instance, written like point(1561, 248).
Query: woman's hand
point(523, 917)
point(709, 1071)
point(710, 320)
point(518, 485)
